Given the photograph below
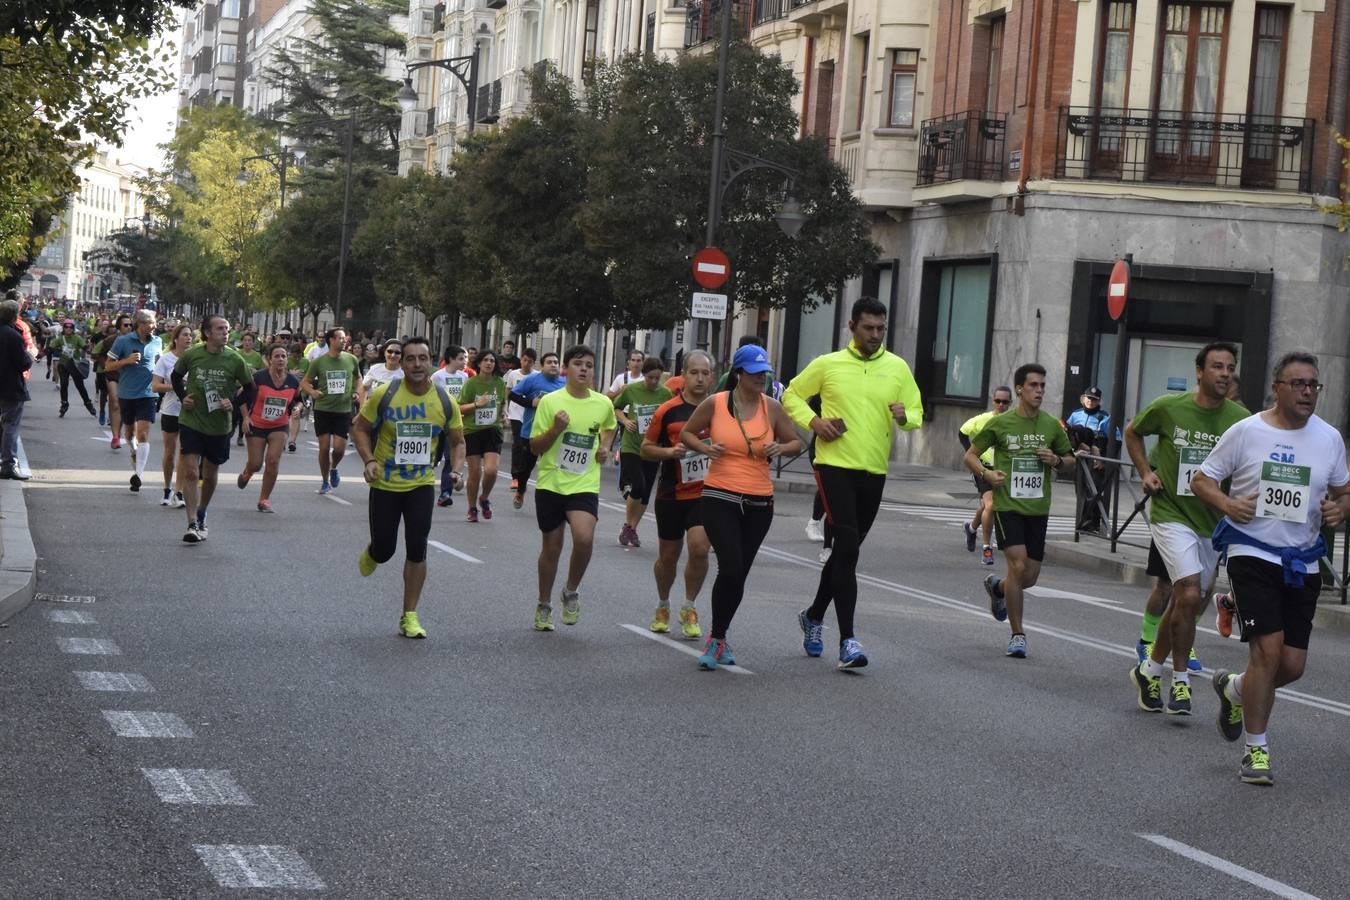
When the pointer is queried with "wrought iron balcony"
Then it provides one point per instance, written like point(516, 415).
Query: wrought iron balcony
point(488, 109)
point(700, 17)
point(970, 145)
point(1230, 151)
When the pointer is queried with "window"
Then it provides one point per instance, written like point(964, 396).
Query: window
point(229, 9)
point(1113, 91)
point(862, 80)
point(995, 63)
point(904, 78)
point(225, 53)
point(954, 327)
point(1189, 87)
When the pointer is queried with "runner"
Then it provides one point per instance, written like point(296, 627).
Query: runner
point(1029, 446)
point(381, 372)
point(105, 382)
point(580, 423)
point(274, 396)
point(528, 394)
point(170, 407)
point(132, 360)
point(745, 430)
point(482, 402)
point(983, 522)
point(297, 365)
point(628, 376)
point(865, 393)
point(679, 497)
point(633, 408)
point(1289, 479)
point(70, 348)
point(450, 378)
point(205, 377)
point(1188, 426)
point(516, 414)
point(247, 344)
point(334, 373)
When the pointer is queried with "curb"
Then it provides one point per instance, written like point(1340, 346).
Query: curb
point(18, 564)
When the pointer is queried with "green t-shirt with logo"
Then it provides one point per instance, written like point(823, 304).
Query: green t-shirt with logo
point(254, 359)
point(572, 464)
point(405, 442)
point(212, 379)
point(336, 379)
point(639, 403)
point(489, 416)
point(68, 347)
point(1015, 440)
point(1186, 434)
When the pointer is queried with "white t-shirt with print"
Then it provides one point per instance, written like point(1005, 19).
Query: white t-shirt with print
point(170, 405)
point(514, 411)
point(621, 380)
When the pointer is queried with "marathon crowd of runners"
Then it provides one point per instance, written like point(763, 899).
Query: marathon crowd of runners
point(1226, 486)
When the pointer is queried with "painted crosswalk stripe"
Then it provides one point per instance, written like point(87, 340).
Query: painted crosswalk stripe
point(337, 499)
point(62, 598)
point(1278, 888)
point(70, 617)
point(205, 787)
point(257, 866)
point(89, 646)
point(684, 648)
point(114, 681)
point(445, 548)
point(131, 724)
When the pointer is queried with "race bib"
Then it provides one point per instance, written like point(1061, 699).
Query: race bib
point(485, 415)
point(273, 408)
point(1188, 463)
point(1028, 478)
point(1284, 492)
point(213, 400)
point(67, 350)
point(694, 467)
point(412, 443)
point(337, 382)
point(453, 388)
point(644, 418)
point(574, 452)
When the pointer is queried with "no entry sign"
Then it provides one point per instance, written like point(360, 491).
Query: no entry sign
point(1118, 289)
point(711, 268)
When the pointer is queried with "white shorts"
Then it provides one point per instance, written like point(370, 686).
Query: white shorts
point(1185, 553)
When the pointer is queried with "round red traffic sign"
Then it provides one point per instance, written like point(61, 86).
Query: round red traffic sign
point(1118, 289)
point(711, 268)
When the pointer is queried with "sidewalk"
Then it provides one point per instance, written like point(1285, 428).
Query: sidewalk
point(18, 560)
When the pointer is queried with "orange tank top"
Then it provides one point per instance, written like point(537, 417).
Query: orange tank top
point(743, 467)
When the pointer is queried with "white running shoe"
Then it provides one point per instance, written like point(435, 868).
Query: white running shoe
point(815, 530)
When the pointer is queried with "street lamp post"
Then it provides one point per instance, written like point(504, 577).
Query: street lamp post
point(464, 68)
point(280, 161)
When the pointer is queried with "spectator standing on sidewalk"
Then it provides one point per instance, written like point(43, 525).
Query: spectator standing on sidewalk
point(1087, 428)
point(15, 361)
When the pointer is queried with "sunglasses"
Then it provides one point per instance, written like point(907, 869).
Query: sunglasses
point(393, 353)
point(1001, 402)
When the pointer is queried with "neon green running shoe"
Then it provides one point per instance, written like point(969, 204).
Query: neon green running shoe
point(689, 623)
point(365, 563)
point(543, 617)
point(409, 627)
point(1255, 768)
point(571, 604)
point(661, 620)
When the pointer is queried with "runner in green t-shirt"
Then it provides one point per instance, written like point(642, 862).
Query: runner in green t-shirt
point(205, 378)
point(330, 382)
point(482, 402)
point(634, 407)
point(297, 365)
point(1029, 447)
point(247, 350)
point(580, 424)
point(69, 349)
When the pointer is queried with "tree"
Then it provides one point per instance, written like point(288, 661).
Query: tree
point(404, 238)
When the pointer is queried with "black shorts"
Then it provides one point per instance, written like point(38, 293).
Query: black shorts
point(168, 424)
point(478, 443)
point(386, 509)
point(982, 486)
point(110, 377)
point(1266, 605)
point(138, 409)
point(1156, 567)
point(675, 517)
point(265, 433)
point(637, 477)
point(1018, 530)
point(550, 509)
point(214, 448)
point(338, 424)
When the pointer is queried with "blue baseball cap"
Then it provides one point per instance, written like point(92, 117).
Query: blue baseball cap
point(751, 359)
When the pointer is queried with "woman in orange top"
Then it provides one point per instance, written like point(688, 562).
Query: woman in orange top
point(746, 429)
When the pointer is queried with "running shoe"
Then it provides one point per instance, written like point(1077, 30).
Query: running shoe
point(987, 556)
point(851, 655)
point(812, 635)
point(239, 441)
point(333, 477)
point(998, 607)
point(409, 627)
point(1230, 713)
point(486, 507)
point(471, 515)
point(689, 623)
point(265, 506)
point(90, 406)
point(1255, 767)
point(325, 488)
point(661, 620)
point(458, 479)
point(824, 555)
point(1193, 663)
point(517, 501)
point(168, 499)
point(135, 483)
point(1179, 700)
point(116, 442)
point(633, 538)
point(102, 417)
point(178, 501)
point(201, 529)
point(970, 537)
point(445, 499)
point(1224, 607)
point(543, 618)
point(1017, 646)
point(571, 604)
point(1142, 649)
point(192, 535)
point(290, 446)
point(65, 407)
point(243, 479)
point(1149, 689)
point(715, 652)
point(815, 530)
point(623, 535)
point(365, 563)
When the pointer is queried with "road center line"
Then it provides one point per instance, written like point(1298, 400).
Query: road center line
point(337, 499)
point(1278, 888)
point(682, 647)
point(453, 552)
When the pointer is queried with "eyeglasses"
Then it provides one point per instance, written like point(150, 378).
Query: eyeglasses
point(393, 353)
point(1299, 385)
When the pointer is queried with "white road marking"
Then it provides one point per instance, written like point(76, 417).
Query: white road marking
point(114, 681)
point(128, 723)
point(257, 866)
point(1278, 888)
point(70, 617)
point(617, 507)
point(205, 787)
point(682, 647)
point(89, 646)
point(62, 598)
point(453, 552)
point(1056, 594)
point(336, 499)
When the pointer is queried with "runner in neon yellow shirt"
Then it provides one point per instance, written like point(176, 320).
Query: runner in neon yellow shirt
point(983, 519)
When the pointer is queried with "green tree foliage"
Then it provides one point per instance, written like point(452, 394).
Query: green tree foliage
point(414, 222)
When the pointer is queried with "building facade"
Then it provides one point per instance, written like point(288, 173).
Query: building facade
point(210, 54)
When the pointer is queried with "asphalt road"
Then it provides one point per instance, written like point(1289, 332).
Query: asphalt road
point(493, 761)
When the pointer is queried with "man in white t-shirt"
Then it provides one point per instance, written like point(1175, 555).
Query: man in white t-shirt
point(1289, 479)
point(627, 376)
point(451, 377)
point(515, 413)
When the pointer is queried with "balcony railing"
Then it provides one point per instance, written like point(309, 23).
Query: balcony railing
point(700, 17)
point(965, 145)
point(489, 106)
point(1233, 151)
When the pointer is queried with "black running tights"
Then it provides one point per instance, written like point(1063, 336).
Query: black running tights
point(735, 531)
point(852, 498)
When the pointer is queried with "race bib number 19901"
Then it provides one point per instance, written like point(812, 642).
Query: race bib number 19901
point(412, 443)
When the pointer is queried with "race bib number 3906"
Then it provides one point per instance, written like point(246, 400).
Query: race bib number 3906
point(574, 452)
point(1284, 492)
point(1028, 478)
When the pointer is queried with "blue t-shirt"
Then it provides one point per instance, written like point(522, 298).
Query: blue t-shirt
point(536, 385)
point(133, 382)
